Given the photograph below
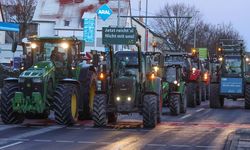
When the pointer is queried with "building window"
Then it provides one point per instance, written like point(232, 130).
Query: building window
point(66, 23)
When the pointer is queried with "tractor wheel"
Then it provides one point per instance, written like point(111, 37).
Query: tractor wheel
point(159, 108)
point(183, 107)
point(149, 111)
point(66, 104)
point(174, 104)
point(191, 95)
point(247, 96)
point(7, 114)
point(214, 101)
point(198, 93)
point(89, 88)
point(99, 116)
point(203, 92)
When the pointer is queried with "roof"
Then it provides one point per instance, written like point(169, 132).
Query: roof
point(144, 26)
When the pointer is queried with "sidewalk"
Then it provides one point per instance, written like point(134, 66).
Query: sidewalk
point(238, 140)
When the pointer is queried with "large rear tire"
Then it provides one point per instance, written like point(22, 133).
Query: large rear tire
point(149, 111)
point(66, 104)
point(99, 116)
point(214, 101)
point(191, 95)
point(7, 114)
point(175, 104)
point(247, 96)
point(88, 94)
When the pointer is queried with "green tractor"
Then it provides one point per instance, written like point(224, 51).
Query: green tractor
point(174, 80)
point(57, 81)
point(230, 81)
point(130, 86)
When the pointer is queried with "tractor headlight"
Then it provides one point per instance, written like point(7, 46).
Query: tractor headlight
point(37, 80)
point(33, 45)
point(129, 98)
point(176, 82)
point(118, 98)
point(21, 80)
point(65, 45)
point(156, 68)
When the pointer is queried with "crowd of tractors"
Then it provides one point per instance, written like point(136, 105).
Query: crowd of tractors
point(120, 82)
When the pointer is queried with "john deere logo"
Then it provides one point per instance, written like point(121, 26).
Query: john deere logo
point(28, 85)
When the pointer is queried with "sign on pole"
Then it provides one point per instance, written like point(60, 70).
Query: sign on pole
point(119, 36)
point(9, 27)
point(104, 12)
point(203, 53)
point(89, 30)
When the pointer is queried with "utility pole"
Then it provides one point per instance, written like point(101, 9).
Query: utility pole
point(146, 27)
point(119, 13)
point(195, 28)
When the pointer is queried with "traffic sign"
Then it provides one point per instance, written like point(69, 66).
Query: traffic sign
point(203, 53)
point(9, 27)
point(123, 36)
point(89, 30)
point(104, 12)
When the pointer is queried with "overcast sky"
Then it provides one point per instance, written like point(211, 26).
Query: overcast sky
point(216, 12)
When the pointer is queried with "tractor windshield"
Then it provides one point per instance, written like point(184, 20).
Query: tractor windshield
point(232, 65)
point(171, 74)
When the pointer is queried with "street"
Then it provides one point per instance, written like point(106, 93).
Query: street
point(199, 128)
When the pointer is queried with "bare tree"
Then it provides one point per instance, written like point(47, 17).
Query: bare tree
point(19, 11)
point(176, 31)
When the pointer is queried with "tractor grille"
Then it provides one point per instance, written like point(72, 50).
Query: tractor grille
point(27, 87)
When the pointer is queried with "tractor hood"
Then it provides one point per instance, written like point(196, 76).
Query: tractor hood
point(125, 87)
point(40, 69)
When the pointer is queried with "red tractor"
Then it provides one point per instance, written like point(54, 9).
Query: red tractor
point(198, 79)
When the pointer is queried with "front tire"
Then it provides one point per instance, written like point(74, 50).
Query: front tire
point(66, 104)
point(215, 100)
point(191, 95)
point(174, 104)
point(99, 116)
point(183, 107)
point(8, 115)
point(247, 96)
point(149, 111)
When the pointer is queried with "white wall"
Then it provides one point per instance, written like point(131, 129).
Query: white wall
point(6, 54)
point(46, 29)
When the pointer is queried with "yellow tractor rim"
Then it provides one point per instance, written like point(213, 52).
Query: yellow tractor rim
point(73, 106)
point(91, 97)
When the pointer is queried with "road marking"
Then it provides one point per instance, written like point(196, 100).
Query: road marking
point(62, 141)
point(73, 128)
point(38, 140)
point(5, 127)
point(206, 146)
point(86, 142)
point(157, 145)
point(32, 133)
point(200, 110)
point(186, 116)
point(13, 144)
point(180, 145)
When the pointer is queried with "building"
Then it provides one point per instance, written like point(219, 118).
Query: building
point(2, 33)
point(153, 41)
point(66, 18)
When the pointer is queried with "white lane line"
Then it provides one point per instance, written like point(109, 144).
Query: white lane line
point(38, 140)
point(200, 110)
point(13, 144)
point(86, 142)
point(73, 128)
point(186, 116)
point(10, 139)
point(180, 145)
point(157, 145)
point(62, 141)
point(206, 147)
point(5, 127)
point(32, 133)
